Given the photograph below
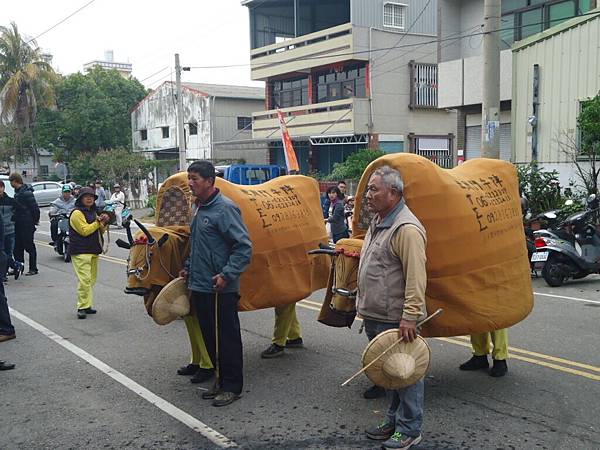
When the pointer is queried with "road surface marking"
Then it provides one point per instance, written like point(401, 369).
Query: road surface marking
point(314, 306)
point(113, 259)
point(575, 299)
point(212, 435)
point(580, 373)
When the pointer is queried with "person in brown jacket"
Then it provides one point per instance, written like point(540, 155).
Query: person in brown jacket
point(391, 294)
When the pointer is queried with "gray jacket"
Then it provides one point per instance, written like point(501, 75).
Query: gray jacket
point(60, 206)
point(337, 218)
point(220, 244)
point(7, 210)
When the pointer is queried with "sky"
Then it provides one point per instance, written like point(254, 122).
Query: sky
point(146, 34)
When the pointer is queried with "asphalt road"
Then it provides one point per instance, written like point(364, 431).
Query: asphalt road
point(110, 382)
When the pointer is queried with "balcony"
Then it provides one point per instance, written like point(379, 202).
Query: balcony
point(342, 117)
point(324, 47)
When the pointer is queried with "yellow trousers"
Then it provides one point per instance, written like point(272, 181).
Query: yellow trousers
point(286, 325)
point(86, 269)
point(199, 353)
point(499, 339)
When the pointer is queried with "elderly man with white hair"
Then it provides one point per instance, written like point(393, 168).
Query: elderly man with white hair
point(391, 294)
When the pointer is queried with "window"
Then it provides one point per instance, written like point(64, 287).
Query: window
point(424, 85)
point(523, 18)
point(348, 83)
point(193, 128)
point(285, 94)
point(394, 15)
point(165, 132)
point(144, 135)
point(44, 171)
point(244, 123)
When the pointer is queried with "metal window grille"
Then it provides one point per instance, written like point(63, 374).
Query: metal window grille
point(394, 15)
point(435, 149)
point(424, 85)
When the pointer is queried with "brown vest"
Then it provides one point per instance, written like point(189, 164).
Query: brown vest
point(380, 273)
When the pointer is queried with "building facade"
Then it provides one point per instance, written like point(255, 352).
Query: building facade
point(217, 123)
point(554, 74)
point(108, 63)
point(461, 62)
point(348, 75)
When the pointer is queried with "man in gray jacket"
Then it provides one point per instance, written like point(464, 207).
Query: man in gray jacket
point(220, 250)
point(391, 294)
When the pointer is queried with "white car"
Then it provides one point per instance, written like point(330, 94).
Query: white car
point(45, 192)
point(7, 187)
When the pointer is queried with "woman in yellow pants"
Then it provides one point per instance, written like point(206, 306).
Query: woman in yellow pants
point(287, 332)
point(85, 244)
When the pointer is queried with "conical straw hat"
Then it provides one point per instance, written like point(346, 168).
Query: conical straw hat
point(172, 302)
point(402, 366)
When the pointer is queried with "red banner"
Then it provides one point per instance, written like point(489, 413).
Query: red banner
point(288, 149)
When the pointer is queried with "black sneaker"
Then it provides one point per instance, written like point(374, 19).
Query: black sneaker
point(81, 314)
point(273, 351)
point(202, 375)
point(499, 368)
point(475, 363)
point(381, 432)
point(374, 392)
point(90, 311)
point(294, 343)
point(19, 270)
point(190, 369)
point(32, 272)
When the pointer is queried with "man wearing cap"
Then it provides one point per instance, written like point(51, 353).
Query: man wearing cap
point(391, 294)
point(62, 205)
point(220, 251)
point(118, 198)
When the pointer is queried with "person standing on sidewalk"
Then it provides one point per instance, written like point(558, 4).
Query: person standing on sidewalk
point(391, 294)
point(85, 235)
point(220, 251)
point(27, 216)
point(7, 331)
point(119, 198)
point(100, 195)
point(7, 211)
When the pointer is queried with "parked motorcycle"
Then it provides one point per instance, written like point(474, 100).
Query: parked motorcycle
point(572, 250)
point(61, 244)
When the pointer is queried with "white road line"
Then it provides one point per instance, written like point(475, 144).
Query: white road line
point(575, 299)
point(178, 414)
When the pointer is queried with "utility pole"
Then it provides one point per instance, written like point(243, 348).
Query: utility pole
point(180, 131)
point(490, 117)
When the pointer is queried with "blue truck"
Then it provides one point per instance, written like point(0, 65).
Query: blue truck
point(249, 173)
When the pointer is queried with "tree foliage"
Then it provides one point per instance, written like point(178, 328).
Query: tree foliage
point(26, 83)
point(355, 165)
point(540, 187)
point(585, 151)
point(93, 113)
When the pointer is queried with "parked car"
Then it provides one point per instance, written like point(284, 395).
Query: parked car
point(249, 174)
point(45, 192)
point(7, 187)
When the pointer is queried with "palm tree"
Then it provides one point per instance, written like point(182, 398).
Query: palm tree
point(26, 82)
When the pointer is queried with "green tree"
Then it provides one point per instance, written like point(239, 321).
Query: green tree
point(355, 165)
point(585, 151)
point(26, 83)
point(93, 113)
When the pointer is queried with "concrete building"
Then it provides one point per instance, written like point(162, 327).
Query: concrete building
point(558, 70)
point(109, 63)
point(461, 64)
point(347, 75)
point(217, 123)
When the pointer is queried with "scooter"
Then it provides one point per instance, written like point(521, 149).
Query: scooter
point(111, 206)
point(61, 244)
point(571, 251)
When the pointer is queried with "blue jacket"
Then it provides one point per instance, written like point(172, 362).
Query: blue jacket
point(220, 244)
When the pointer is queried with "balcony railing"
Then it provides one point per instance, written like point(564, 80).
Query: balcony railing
point(348, 116)
point(324, 47)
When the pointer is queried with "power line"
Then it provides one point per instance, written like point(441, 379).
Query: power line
point(62, 21)
point(155, 73)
